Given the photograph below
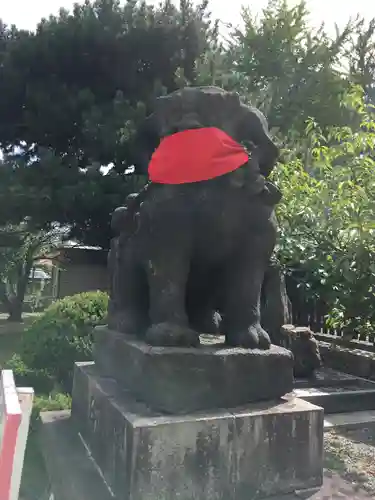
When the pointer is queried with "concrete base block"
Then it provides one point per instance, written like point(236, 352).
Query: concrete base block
point(265, 449)
point(183, 380)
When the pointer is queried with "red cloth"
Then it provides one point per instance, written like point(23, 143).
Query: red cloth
point(195, 155)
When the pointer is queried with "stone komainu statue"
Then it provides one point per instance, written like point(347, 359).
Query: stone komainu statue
point(202, 233)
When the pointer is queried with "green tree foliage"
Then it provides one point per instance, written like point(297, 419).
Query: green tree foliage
point(361, 57)
point(72, 94)
point(79, 78)
point(288, 68)
point(327, 228)
point(50, 188)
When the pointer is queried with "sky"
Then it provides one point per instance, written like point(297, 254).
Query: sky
point(26, 13)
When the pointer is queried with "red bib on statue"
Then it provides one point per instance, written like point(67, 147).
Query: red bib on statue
point(195, 155)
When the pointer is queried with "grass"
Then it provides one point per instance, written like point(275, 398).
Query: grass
point(10, 327)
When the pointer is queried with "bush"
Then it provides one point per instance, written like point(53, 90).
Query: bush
point(62, 335)
point(46, 398)
point(24, 376)
point(52, 402)
point(326, 216)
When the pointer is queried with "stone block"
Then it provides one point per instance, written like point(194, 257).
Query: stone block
point(264, 449)
point(183, 380)
point(349, 360)
point(326, 377)
point(344, 399)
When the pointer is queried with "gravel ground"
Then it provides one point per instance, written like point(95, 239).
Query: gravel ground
point(351, 454)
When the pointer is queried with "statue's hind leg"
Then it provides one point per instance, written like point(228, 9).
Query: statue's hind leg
point(129, 297)
point(241, 303)
point(167, 277)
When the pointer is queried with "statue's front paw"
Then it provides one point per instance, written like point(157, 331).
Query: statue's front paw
point(171, 335)
point(252, 338)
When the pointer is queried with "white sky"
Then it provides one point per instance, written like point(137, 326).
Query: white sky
point(26, 13)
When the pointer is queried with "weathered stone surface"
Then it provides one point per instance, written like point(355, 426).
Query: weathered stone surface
point(342, 399)
point(72, 474)
point(349, 360)
point(182, 380)
point(357, 362)
point(326, 377)
point(305, 348)
point(337, 392)
point(263, 449)
point(279, 449)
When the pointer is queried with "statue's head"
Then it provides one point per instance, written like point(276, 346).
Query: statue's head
point(202, 107)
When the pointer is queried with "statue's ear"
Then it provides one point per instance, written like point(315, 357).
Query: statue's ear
point(145, 142)
point(118, 219)
point(252, 126)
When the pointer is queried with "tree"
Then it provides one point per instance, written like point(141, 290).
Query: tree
point(361, 57)
point(326, 217)
point(81, 76)
point(289, 69)
point(72, 94)
point(20, 250)
point(50, 189)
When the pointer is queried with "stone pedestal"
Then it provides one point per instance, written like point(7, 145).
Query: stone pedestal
point(210, 423)
point(252, 452)
point(183, 380)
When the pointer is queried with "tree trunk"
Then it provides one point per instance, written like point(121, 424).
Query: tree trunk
point(4, 296)
point(14, 303)
point(15, 310)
